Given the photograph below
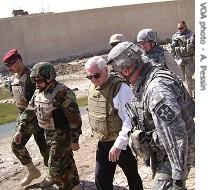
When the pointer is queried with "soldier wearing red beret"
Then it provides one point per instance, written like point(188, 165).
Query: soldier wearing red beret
point(22, 90)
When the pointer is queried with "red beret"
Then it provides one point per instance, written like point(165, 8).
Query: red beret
point(11, 56)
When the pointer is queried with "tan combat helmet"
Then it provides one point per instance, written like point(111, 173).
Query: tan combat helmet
point(116, 39)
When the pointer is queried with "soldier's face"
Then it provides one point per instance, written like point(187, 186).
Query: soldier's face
point(13, 67)
point(96, 76)
point(129, 74)
point(181, 27)
point(146, 46)
point(40, 84)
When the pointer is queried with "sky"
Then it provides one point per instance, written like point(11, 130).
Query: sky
point(56, 6)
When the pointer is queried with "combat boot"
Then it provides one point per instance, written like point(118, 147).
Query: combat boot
point(47, 182)
point(33, 173)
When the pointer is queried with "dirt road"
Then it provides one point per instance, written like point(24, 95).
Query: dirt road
point(11, 171)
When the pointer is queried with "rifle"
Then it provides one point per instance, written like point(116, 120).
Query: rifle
point(133, 116)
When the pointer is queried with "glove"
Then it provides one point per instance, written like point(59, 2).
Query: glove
point(178, 185)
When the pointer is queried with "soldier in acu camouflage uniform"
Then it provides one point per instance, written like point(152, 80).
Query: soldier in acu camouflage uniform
point(109, 121)
point(162, 105)
point(22, 90)
point(183, 48)
point(153, 53)
point(58, 114)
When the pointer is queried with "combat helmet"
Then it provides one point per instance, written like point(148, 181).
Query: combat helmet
point(147, 35)
point(125, 54)
point(43, 70)
point(116, 38)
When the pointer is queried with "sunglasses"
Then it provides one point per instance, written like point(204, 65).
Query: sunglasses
point(39, 81)
point(95, 76)
point(180, 28)
point(11, 63)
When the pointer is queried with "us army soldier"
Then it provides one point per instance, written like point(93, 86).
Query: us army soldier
point(183, 48)
point(162, 104)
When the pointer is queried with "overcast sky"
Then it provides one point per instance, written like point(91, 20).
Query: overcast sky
point(37, 6)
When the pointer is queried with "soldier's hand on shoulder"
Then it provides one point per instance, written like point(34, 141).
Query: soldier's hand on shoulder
point(114, 154)
point(75, 146)
point(17, 137)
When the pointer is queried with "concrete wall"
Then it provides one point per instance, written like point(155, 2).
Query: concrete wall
point(52, 36)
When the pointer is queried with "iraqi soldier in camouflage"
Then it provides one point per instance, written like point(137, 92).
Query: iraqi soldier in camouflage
point(183, 48)
point(22, 90)
point(162, 105)
point(153, 53)
point(108, 95)
point(116, 39)
point(58, 114)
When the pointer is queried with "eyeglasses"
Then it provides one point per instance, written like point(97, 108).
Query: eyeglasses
point(180, 28)
point(39, 81)
point(11, 63)
point(95, 76)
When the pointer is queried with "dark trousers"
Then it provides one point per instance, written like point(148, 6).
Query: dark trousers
point(105, 170)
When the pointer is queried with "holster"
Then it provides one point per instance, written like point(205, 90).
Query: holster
point(140, 145)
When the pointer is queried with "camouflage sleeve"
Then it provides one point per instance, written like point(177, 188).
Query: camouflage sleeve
point(191, 44)
point(26, 117)
point(173, 45)
point(71, 110)
point(170, 127)
point(29, 88)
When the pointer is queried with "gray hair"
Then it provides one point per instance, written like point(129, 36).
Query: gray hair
point(96, 60)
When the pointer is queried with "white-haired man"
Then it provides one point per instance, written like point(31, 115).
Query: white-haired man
point(109, 121)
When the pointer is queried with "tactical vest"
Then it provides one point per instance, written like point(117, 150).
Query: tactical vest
point(155, 56)
point(185, 41)
point(18, 90)
point(103, 117)
point(45, 107)
point(186, 106)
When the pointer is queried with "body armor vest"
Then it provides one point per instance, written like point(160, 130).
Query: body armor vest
point(184, 40)
point(103, 117)
point(44, 104)
point(155, 56)
point(185, 101)
point(18, 90)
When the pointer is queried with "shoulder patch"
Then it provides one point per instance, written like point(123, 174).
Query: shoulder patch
point(165, 113)
point(66, 103)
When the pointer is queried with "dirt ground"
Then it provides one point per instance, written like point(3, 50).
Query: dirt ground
point(11, 171)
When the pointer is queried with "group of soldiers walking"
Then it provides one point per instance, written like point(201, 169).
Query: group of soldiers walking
point(140, 108)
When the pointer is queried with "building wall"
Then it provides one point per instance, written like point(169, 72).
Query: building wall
point(53, 36)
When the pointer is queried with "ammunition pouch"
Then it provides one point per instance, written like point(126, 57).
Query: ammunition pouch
point(60, 120)
point(140, 144)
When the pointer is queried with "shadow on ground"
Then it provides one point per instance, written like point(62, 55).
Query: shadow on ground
point(85, 185)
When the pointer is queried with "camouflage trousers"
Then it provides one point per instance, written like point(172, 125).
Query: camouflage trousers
point(163, 177)
point(188, 70)
point(61, 164)
point(20, 150)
